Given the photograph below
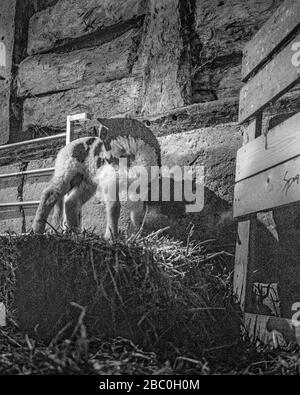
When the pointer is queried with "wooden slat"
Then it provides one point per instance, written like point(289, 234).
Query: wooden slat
point(278, 29)
point(7, 30)
point(7, 36)
point(71, 19)
point(242, 259)
point(273, 188)
point(277, 77)
point(275, 331)
point(245, 246)
point(279, 145)
point(113, 98)
point(67, 70)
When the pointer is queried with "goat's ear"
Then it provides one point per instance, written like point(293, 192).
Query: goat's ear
point(95, 131)
point(103, 132)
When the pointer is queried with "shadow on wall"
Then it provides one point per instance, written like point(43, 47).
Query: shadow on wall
point(215, 149)
point(214, 221)
point(277, 263)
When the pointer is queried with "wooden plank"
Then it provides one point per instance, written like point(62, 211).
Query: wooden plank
point(279, 28)
point(7, 31)
point(164, 43)
point(195, 116)
point(276, 78)
point(245, 246)
point(62, 71)
point(273, 188)
point(279, 145)
point(241, 262)
point(70, 19)
point(216, 24)
point(274, 331)
point(107, 99)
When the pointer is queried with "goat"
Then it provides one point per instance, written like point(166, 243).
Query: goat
point(87, 166)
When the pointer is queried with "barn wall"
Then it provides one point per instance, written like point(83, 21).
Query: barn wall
point(173, 64)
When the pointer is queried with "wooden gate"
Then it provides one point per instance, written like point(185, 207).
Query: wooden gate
point(267, 185)
point(71, 120)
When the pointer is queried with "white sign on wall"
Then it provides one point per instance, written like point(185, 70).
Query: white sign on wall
point(2, 54)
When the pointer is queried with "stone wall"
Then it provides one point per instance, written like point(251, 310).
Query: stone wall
point(173, 64)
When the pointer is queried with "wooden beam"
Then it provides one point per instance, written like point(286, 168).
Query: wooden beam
point(277, 146)
point(273, 188)
point(110, 99)
point(68, 70)
point(277, 30)
point(7, 32)
point(242, 257)
point(275, 79)
point(245, 246)
point(71, 19)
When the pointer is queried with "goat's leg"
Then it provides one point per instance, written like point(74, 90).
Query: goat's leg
point(112, 217)
point(73, 203)
point(72, 210)
point(57, 216)
point(109, 187)
point(50, 196)
point(136, 212)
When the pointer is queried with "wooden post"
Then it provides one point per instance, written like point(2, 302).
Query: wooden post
point(245, 248)
point(7, 32)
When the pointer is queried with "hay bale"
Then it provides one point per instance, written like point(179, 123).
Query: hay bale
point(157, 293)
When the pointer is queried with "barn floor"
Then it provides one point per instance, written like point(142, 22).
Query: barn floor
point(20, 354)
point(180, 317)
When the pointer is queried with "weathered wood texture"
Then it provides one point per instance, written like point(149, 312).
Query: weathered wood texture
point(279, 145)
point(222, 30)
point(24, 10)
point(7, 31)
point(205, 115)
point(280, 27)
point(42, 4)
point(36, 150)
point(108, 99)
point(246, 231)
point(246, 242)
point(62, 71)
point(275, 187)
point(166, 71)
point(192, 117)
point(70, 19)
point(272, 81)
point(4, 111)
point(173, 122)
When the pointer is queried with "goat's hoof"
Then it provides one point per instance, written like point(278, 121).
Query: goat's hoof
point(37, 228)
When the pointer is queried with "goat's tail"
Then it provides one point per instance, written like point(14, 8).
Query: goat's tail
point(58, 213)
